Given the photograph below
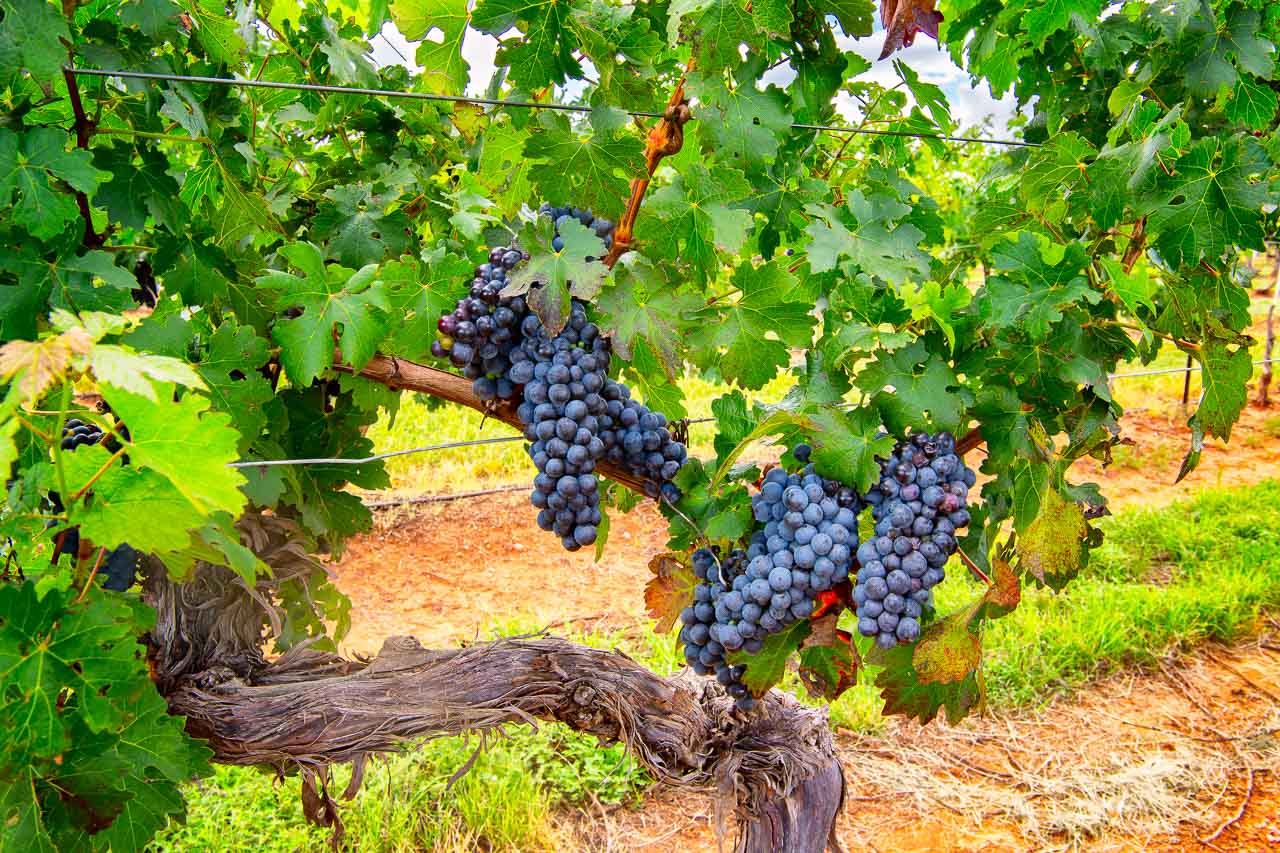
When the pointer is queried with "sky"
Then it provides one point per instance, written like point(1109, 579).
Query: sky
point(969, 105)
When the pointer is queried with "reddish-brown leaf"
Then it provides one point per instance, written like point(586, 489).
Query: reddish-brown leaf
point(670, 589)
point(829, 662)
point(902, 19)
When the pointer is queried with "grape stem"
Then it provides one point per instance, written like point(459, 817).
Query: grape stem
point(665, 139)
point(973, 567)
point(971, 440)
point(106, 466)
point(84, 131)
point(102, 552)
point(399, 374)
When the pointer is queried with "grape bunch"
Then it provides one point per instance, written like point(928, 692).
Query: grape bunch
point(485, 328)
point(807, 544)
point(77, 433)
point(918, 506)
point(562, 410)
point(640, 440)
point(710, 627)
point(119, 567)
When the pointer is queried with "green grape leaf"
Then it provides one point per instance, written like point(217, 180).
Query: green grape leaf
point(186, 443)
point(1252, 104)
point(846, 444)
point(733, 424)
point(1045, 18)
point(32, 34)
point(27, 163)
point(544, 57)
point(766, 667)
point(329, 296)
point(854, 16)
point(589, 171)
point(772, 17)
point(733, 521)
point(640, 303)
point(1211, 202)
point(829, 662)
point(419, 291)
point(357, 228)
point(741, 121)
point(230, 373)
point(1136, 289)
point(217, 32)
point(156, 18)
point(753, 334)
point(913, 387)
point(1031, 290)
point(939, 303)
point(777, 421)
point(693, 217)
point(1225, 376)
point(574, 271)
point(22, 824)
point(136, 192)
point(137, 372)
point(47, 646)
point(892, 254)
point(1055, 171)
point(444, 67)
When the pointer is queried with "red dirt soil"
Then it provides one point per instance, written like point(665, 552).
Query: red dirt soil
point(446, 572)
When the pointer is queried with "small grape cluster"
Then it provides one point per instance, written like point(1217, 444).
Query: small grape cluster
point(640, 440)
point(482, 331)
point(918, 506)
point(77, 433)
point(120, 566)
point(562, 411)
point(710, 630)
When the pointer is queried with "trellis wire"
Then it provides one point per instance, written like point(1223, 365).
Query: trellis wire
point(265, 463)
point(488, 102)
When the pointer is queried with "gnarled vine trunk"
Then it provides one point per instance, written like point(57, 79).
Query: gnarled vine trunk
point(775, 768)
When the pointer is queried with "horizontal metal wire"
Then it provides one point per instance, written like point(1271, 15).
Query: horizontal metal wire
point(268, 463)
point(472, 442)
point(488, 102)
point(1172, 370)
point(475, 442)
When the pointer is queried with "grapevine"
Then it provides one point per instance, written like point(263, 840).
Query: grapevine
point(249, 237)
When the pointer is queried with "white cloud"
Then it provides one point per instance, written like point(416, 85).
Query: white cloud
point(971, 106)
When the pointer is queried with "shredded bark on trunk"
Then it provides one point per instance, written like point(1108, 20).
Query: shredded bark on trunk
point(775, 769)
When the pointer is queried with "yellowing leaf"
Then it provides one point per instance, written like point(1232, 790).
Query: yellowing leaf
point(669, 591)
point(35, 366)
point(1052, 547)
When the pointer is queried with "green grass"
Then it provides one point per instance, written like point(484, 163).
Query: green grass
point(1165, 579)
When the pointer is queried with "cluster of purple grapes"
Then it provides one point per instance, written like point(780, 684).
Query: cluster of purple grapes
point(119, 568)
point(562, 411)
point(574, 415)
point(641, 440)
point(77, 433)
point(918, 506)
point(710, 631)
point(482, 331)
